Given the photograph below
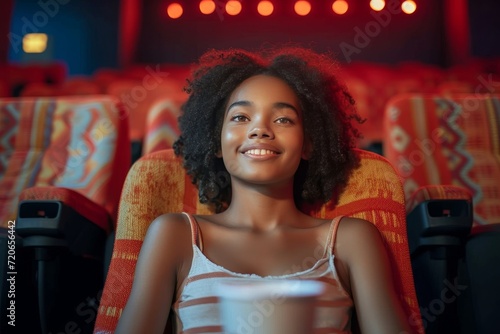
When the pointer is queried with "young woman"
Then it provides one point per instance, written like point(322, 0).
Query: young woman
point(260, 136)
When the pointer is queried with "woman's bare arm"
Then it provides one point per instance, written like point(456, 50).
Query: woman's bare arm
point(378, 307)
point(162, 255)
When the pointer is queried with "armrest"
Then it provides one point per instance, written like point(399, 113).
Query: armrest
point(438, 227)
point(436, 192)
point(72, 198)
point(60, 217)
point(438, 216)
point(439, 222)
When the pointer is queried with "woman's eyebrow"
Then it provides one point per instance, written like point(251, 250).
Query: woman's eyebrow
point(242, 103)
point(277, 105)
point(284, 105)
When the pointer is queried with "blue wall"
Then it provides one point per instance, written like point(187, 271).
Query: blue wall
point(84, 33)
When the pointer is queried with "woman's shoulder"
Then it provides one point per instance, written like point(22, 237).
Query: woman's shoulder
point(168, 222)
point(356, 236)
point(170, 231)
point(352, 227)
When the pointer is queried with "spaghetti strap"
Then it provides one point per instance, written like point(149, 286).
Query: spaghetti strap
point(332, 235)
point(196, 238)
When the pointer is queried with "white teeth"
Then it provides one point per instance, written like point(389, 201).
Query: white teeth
point(260, 152)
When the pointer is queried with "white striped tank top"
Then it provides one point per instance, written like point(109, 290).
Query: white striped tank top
point(196, 310)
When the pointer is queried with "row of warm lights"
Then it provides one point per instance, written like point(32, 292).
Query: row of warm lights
point(266, 8)
point(407, 6)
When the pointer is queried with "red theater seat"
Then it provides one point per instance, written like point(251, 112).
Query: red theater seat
point(138, 97)
point(64, 161)
point(161, 126)
point(157, 184)
point(452, 140)
point(446, 150)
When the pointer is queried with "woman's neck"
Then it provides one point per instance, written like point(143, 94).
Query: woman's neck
point(263, 208)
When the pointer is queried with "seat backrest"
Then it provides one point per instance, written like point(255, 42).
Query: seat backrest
point(157, 184)
point(447, 140)
point(71, 142)
point(139, 95)
point(79, 85)
point(9, 127)
point(4, 88)
point(161, 125)
point(372, 85)
point(39, 89)
point(72, 86)
point(454, 87)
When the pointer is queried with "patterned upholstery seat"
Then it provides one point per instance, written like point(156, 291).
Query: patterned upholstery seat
point(72, 153)
point(138, 96)
point(157, 184)
point(452, 140)
point(161, 125)
point(446, 148)
point(74, 143)
point(372, 85)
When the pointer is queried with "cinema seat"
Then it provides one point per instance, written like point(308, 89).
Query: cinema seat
point(4, 88)
point(446, 150)
point(161, 125)
point(17, 75)
point(451, 140)
point(61, 183)
point(72, 87)
point(138, 96)
point(372, 85)
point(38, 89)
point(157, 184)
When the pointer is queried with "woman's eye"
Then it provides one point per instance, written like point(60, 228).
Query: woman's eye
point(284, 120)
point(239, 118)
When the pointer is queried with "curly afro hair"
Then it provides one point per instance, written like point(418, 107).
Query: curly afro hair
point(328, 115)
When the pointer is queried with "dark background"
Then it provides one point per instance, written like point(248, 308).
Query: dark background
point(90, 34)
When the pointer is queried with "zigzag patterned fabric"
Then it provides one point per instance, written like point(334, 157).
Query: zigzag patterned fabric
point(138, 96)
point(161, 126)
point(9, 126)
point(157, 184)
point(79, 143)
point(452, 140)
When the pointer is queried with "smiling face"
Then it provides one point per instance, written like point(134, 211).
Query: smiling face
point(262, 139)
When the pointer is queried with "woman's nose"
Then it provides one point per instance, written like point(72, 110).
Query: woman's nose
point(261, 131)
